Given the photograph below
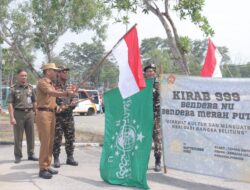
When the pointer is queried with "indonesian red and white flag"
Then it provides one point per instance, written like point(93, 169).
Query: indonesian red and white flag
point(127, 54)
point(211, 67)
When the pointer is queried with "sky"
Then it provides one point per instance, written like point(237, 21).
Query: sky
point(229, 19)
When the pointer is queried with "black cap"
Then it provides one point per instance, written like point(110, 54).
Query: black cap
point(63, 68)
point(151, 66)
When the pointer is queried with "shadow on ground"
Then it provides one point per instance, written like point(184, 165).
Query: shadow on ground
point(96, 183)
point(163, 179)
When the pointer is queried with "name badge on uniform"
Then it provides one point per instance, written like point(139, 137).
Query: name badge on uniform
point(29, 100)
point(17, 94)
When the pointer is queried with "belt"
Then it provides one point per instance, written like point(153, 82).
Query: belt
point(46, 109)
point(24, 109)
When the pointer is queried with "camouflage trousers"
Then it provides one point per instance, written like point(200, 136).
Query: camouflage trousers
point(64, 125)
point(157, 138)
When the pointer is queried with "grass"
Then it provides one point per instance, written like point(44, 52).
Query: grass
point(6, 133)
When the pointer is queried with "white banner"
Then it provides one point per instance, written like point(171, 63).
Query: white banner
point(206, 125)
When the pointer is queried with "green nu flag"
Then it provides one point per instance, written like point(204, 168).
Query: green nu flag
point(128, 137)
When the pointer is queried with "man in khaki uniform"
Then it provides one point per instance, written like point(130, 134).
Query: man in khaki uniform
point(22, 104)
point(45, 117)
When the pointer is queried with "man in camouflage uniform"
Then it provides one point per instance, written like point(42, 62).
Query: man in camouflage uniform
point(64, 121)
point(150, 72)
point(22, 105)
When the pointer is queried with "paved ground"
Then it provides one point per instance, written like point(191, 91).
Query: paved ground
point(92, 124)
point(88, 129)
point(24, 176)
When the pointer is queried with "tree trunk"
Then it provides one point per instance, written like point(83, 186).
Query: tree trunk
point(177, 56)
point(49, 55)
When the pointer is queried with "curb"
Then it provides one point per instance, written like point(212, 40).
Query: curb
point(37, 143)
point(6, 143)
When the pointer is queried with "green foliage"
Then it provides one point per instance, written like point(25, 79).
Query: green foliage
point(236, 71)
point(16, 32)
point(84, 59)
point(3, 9)
point(58, 60)
point(192, 9)
point(155, 50)
point(198, 50)
point(178, 46)
point(52, 18)
point(224, 51)
point(194, 68)
point(10, 67)
point(109, 75)
point(150, 44)
point(184, 44)
point(124, 4)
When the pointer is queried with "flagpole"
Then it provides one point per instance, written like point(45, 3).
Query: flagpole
point(105, 57)
point(164, 165)
point(124, 36)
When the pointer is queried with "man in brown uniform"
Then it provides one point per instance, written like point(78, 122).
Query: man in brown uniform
point(22, 105)
point(45, 118)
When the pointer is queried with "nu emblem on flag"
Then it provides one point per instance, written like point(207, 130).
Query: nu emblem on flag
point(128, 137)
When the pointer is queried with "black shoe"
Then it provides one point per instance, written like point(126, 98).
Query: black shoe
point(45, 174)
point(70, 161)
point(157, 167)
point(33, 158)
point(17, 160)
point(53, 172)
point(56, 162)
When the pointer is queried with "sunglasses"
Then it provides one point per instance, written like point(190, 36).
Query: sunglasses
point(64, 72)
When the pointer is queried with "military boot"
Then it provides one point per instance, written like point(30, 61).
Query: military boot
point(157, 164)
point(71, 161)
point(56, 162)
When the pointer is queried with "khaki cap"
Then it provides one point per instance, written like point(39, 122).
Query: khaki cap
point(50, 66)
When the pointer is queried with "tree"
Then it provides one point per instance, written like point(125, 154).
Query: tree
point(224, 53)
point(156, 51)
point(10, 67)
point(198, 50)
point(39, 23)
point(150, 44)
point(162, 9)
point(109, 75)
point(245, 70)
point(84, 59)
point(16, 32)
point(52, 18)
point(238, 71)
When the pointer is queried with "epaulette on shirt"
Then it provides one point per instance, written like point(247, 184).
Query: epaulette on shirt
point(13, 86)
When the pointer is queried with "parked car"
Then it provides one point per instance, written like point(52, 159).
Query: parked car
point(93, 95)
point(89, 102)
point(85, 107)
